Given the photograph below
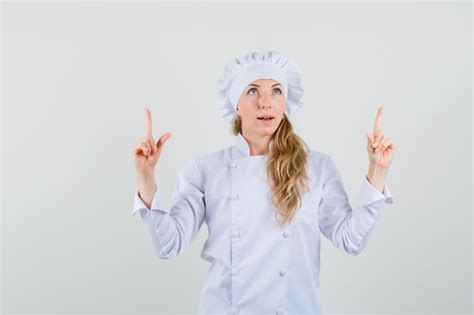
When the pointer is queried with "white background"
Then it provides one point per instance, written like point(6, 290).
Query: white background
point(77, 77)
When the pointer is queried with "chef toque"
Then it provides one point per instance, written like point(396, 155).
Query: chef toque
point(252, 66)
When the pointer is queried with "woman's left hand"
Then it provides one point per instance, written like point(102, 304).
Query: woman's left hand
point(380, 147)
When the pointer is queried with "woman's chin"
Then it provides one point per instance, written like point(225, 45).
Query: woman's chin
point(265, 130)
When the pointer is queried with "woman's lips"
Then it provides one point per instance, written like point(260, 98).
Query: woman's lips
point(266, 121)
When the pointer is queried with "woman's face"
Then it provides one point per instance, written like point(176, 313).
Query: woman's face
point(261, 98)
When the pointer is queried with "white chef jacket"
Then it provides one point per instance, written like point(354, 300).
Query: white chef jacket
point(257, 267)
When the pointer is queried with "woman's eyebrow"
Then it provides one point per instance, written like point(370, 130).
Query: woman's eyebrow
point(252, 84)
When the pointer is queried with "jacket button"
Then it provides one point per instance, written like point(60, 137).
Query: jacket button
point(235, 311)
point(280, 311)
point(282, 273)
point(235, 271)
point(233, 164)
point(286, 234)
point(235, 233)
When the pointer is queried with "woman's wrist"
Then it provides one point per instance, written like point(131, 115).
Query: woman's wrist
point(376, 176)
point(146, 177)
point(146, 188)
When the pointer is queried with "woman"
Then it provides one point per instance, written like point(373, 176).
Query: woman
point(265, 199)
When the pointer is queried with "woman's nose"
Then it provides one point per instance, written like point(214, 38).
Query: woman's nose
point(265, 101)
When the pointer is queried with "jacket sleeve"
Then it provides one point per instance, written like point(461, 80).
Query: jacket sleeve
point(348, 228)
point(172, 230)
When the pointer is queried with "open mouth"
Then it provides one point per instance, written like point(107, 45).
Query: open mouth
point(265, 118)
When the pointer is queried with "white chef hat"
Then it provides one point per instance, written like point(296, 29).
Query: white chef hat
point(245, 69)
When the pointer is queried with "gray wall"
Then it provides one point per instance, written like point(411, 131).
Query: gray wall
point(77, 77)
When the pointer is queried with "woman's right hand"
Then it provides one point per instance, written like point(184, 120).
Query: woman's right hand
point(147, 152)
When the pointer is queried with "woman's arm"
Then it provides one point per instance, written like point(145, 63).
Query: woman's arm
point(146, 188)
point(347, 227)
point(376, 176)
point(171, 230)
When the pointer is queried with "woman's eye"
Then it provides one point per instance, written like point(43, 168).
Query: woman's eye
point(254, 89)
point(251, 90)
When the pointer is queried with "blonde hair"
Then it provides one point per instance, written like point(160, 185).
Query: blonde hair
point(286, 168)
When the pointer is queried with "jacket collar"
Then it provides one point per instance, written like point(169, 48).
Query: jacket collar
point(242, 149)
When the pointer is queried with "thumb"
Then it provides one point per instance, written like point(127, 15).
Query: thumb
point(163, 139)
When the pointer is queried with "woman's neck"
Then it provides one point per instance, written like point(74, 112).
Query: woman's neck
point(258, 145)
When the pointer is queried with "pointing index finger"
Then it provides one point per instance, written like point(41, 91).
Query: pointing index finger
point(378, 119)
point(148, 123)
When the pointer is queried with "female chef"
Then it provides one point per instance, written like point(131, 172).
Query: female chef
point(266, 200)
